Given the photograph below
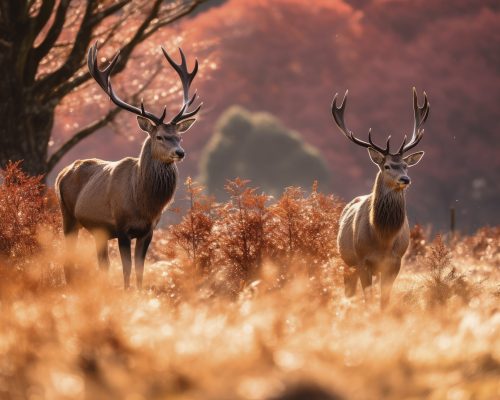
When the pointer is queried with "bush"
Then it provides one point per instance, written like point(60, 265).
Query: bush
point(239, 236)
point(256, 146)
point(444, 281)
point(25, 207)
point(194, 233)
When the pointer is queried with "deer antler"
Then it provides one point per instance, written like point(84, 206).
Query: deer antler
point(338, 116)
point(103, 78)
point(186, 79)
point(421, 114)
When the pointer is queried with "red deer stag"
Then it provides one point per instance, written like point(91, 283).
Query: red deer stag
point(125, 199)
point(374, 233)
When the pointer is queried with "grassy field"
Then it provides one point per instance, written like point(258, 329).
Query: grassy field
point(209, 331)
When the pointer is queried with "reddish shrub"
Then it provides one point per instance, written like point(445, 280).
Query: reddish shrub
point(25, 206)
point(241, 229)
point(194, 233)
point(237, 237)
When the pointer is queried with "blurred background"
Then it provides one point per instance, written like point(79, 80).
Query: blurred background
point(268, 73)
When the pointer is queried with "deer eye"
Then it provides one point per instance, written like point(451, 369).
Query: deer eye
point(387, 167)
point(160, 138)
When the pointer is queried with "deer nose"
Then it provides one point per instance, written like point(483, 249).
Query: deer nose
point(405, 180)
point(180, 153)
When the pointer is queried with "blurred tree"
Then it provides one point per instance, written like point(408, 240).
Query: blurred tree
point(258, 147)
point(43, 44)
point(297, 55)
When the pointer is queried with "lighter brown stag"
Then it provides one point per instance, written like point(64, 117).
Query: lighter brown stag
point(374, 233)
point(125, 199)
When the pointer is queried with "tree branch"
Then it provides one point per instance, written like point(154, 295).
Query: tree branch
point(81, 77)
point(168, 21)
point(108, 11)
point(49, 83)
point(78, 137)
point(142, 33)
point(77, 53)
point(43, 15)
point(37, 53)
point(137, 38)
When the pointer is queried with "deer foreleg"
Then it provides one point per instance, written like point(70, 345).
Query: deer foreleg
point(387, 278)
point(141, 248)
point(350, 281)
point(126, 256)
point(365, 276)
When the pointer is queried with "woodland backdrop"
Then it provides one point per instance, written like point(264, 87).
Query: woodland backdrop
point(289, 57)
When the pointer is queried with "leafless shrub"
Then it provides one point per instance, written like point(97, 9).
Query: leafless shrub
point(444, 280)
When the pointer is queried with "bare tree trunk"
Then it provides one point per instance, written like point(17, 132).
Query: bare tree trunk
point(25, 125)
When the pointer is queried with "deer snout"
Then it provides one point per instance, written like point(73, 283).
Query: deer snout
point(405, 180)
point(180, 153)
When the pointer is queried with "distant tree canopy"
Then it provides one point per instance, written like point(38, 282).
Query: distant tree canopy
point(257, 146)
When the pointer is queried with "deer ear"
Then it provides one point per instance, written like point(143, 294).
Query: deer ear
point(413, 159)
point(146, 125)
point(375, 156)
point(183, 126)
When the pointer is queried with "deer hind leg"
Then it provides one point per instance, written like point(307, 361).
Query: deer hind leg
point(387, 278)
point(126, 256)
point(101, 242)
point(350, 281)
point(70, 229)
point(141, 248)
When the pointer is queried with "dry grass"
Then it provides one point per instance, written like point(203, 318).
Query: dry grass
point(202, 330)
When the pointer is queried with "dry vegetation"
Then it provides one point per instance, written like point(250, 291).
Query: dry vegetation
point(243, 300)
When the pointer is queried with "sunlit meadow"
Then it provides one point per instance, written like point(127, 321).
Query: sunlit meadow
point(222, 320)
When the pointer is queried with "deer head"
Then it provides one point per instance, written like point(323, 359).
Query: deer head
point(393, 166)
point(165, 136)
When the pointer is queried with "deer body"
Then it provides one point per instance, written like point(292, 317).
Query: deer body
point(372, 240)
point(127, 196)
point(374, 233)
point(125, 199)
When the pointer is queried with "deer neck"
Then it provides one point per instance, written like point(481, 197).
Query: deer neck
point(156, 181)
point(388, 209)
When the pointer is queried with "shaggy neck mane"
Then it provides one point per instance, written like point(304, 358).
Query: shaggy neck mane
point(156, 178)
point(388, 208)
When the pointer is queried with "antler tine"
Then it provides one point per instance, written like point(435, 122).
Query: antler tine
point(338, 116)
point(103, 78)
point(400, 151)
point(186, 79)
point(192, 99)
point(421, 114)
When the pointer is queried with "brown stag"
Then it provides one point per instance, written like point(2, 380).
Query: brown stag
point(374, 233)
point(125, 199)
